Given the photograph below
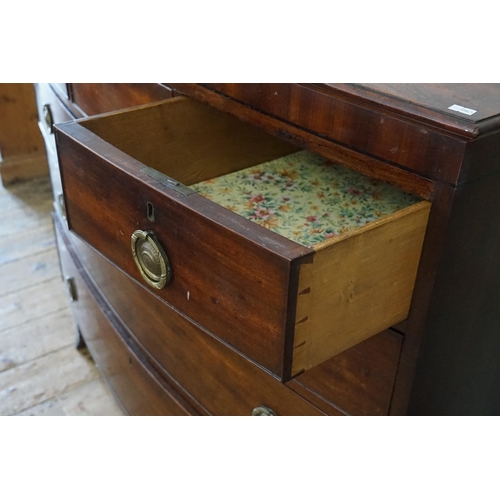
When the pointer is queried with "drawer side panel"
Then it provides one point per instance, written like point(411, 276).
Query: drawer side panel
point(358, 286)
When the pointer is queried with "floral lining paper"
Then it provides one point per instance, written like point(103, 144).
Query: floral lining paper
point(305, 197)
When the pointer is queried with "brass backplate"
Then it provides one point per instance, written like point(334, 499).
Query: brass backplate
point(151, 259)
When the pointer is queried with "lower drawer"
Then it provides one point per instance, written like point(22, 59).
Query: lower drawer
point(359, 380)
point(135, 388)
point(220, 379)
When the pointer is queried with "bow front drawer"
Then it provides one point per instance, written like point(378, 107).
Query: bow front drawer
point(289, 259)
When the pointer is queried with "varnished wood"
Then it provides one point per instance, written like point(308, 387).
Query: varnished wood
point(357, 286)
point(258, 318)
point(219, 378)
point(187, 140)
point(406, 135)
point(137, 390)
point(414, 326)
point(374, 118)
point(235, 271)
point(458, 371)
point(23, 155)
point(438, 97)
point(358, 124)
point(359, 380)
point(295, 134)
point(97, 98)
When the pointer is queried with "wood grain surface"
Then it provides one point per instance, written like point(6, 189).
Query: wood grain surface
point(458, 371)
point(41, 372)
point(220, 379)
point(97, 98)
point(229, 274)
point(360, 380)
point(483, 98)
point(137, 389)
point(346, 119)
point(307, 139)
point(358, 286)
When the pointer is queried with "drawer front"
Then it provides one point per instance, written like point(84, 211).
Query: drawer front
point(287, 306)
point(96, 98)
point(215, 375)
point(136, 389)
point(228, 274)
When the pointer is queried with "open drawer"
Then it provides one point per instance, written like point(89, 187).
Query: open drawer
point(288, 305)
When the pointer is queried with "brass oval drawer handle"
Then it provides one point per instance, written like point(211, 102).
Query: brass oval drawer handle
point(47, 116)
point(262, 411)
point(151, 259)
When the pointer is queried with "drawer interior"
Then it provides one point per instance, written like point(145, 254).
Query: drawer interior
point(292, 192)
point(366, 243)
point(187, 140)
point(305, 197)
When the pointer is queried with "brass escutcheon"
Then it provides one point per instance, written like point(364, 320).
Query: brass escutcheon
point(151, 259)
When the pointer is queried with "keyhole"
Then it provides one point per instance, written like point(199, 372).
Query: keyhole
point(151, 212)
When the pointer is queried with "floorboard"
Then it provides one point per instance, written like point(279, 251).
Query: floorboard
point(41, 372)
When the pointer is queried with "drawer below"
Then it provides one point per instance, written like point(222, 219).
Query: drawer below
point(359, 380)
point(221, 380)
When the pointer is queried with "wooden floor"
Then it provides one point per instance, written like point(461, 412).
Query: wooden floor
point(41, 372)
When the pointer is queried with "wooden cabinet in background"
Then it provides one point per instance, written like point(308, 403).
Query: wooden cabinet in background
point(22, 155)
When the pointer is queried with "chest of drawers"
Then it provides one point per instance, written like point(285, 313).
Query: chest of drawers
point(249, 319)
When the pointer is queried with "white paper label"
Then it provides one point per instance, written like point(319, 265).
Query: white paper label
point(461, 109)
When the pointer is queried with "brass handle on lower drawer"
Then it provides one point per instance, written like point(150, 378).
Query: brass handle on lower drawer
point(263, 411)
point(47, 116)
point(151, 259)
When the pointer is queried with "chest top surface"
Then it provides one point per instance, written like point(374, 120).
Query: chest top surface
point(481, 100)
point(465, 108)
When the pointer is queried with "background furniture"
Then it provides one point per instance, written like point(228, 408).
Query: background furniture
point(21, 145)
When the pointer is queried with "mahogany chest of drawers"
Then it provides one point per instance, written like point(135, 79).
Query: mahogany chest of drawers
point(189, 308)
